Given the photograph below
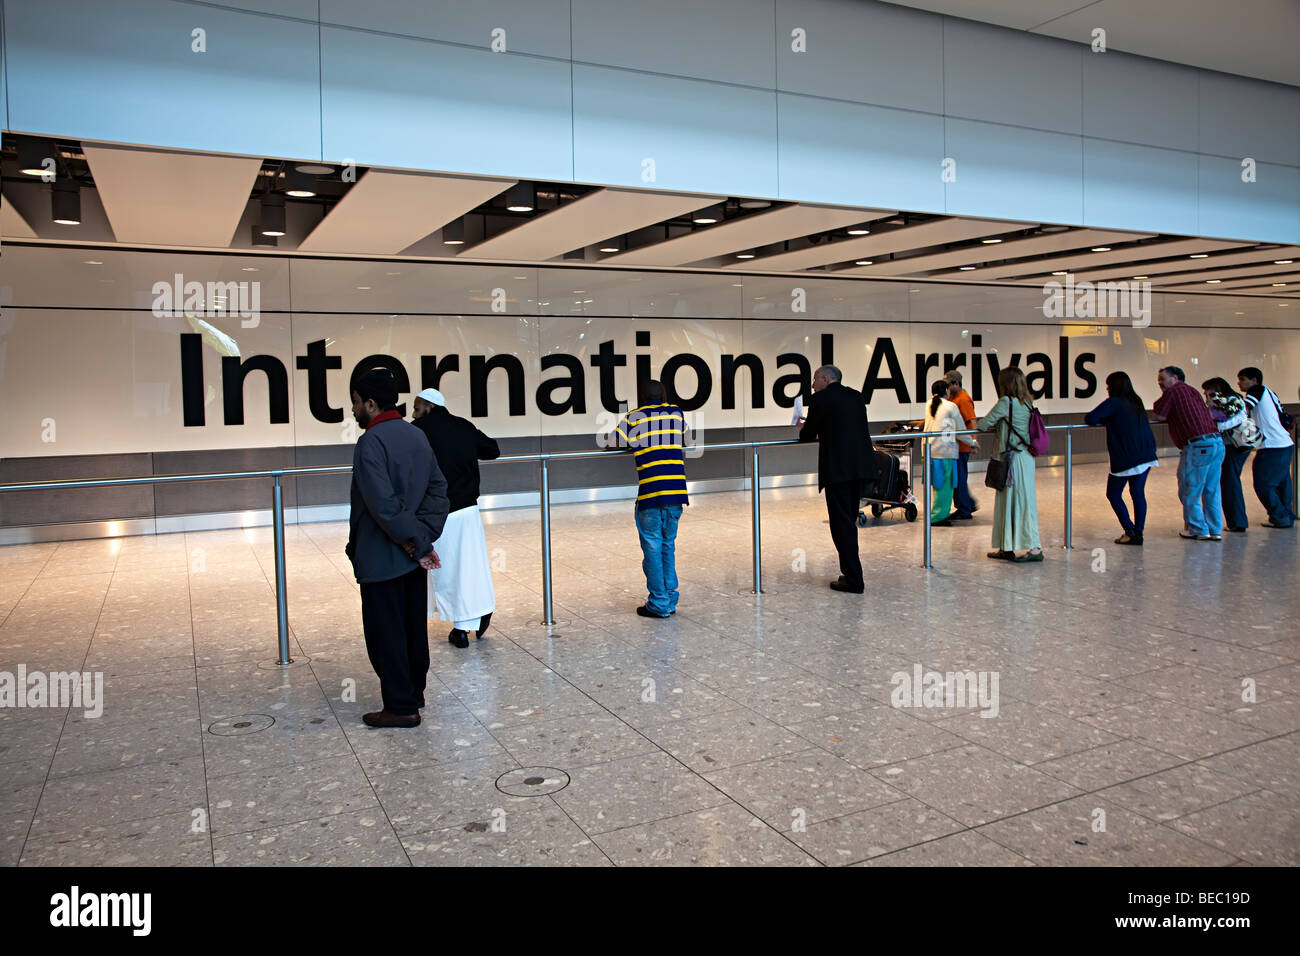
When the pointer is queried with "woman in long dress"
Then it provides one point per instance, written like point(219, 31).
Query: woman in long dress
point(1015, 513)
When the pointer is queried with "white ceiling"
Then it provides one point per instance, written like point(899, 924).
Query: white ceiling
point(933, 233)
point(1247, 37)
point(384, 212)
point(749, 232)
point(1174, 267)
point(601, 214)
point(1078, 262)
point(1011, 249)
point(171, 198)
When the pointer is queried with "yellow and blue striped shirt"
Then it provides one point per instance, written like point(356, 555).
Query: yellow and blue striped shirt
point(654, 433)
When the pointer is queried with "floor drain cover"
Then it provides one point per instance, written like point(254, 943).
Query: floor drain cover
point(243, 724)
point(532, 781)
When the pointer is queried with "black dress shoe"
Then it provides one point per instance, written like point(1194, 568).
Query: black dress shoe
point(841, 585)
point(945, 523)
point(646, 612)
point(961, 517)
point(383, 718)
point(458, 638)
point(484, 623)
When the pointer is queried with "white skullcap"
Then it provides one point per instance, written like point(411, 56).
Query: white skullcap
point(433, 397)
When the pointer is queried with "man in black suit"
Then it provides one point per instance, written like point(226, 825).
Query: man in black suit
point(399, 507)
point(837, 417)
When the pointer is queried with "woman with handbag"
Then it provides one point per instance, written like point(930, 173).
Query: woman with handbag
point(1131, 446)
point(942, 416)
point(1011, 471)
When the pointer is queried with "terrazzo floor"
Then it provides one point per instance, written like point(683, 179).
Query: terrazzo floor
point(1146, 708)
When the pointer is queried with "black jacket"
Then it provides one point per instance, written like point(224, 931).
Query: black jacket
point(459, 446)
point(398, 495)
point(837, 417)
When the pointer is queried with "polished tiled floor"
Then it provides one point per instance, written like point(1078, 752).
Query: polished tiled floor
point(741, 731)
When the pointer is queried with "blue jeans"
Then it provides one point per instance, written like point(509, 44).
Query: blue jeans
point(1272, 474)
point(962, 499)
point(1234, 502)
point(1136, 485)
point(657, 527)
point(1200, 467)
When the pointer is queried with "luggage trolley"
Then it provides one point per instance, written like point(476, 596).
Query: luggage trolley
point(892, 487)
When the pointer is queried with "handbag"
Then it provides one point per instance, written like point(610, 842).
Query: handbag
point(999, 475)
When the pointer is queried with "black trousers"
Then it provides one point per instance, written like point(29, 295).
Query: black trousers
point(397, 638)
point(842, 508)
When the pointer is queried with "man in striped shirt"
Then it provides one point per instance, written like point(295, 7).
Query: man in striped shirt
point(654, 432)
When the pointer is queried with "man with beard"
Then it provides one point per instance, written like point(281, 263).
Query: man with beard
point(399, 507)
point(462, 587)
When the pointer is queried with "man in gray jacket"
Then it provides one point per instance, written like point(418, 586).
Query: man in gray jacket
point(399, 505)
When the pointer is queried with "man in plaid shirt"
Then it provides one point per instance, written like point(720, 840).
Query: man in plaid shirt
point(1200, 454)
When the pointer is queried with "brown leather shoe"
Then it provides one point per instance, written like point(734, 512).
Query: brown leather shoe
point(842, 585)
point(382, 718)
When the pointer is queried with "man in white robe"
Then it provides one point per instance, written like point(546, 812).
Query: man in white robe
point(461, 590)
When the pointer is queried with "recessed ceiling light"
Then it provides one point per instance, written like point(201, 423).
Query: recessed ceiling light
point(989, 242)
point(1101, 248)
point(967, 268)
point(913, 290)
point(521, 198)
point(314, 169)
point(754, 204)
point(1199, 255)
point(1179, 301)
point(521, 277)
point(579, 291)
point(1282, 262)
point(859, 231)
point(93, 262)
point(1059, 273)
point(363, 288)
point(1278, 285)
point(249, 269)
point(863, 262)
point(1239, 313)
point(744, 255)
point(609, 249)
point(1141, 277)
point(738, 285)
point(1213, 281)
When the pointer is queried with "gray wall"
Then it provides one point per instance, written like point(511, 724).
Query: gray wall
point(1041, 129)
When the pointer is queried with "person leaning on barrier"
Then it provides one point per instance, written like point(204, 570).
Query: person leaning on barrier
point(654, 430)
point(1240, 435)
point(1272, 467)
point(462, 588)
point(962, 499)
point(943, 416)
point(398, 509)
point(1015, 513)
point(846, 461)
point(1200, 454)
point(1131, 446)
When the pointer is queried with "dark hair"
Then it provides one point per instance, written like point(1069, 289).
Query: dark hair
point(939, 389)
point(1121, 386)
point(651, 393)
point(1175, 371)
point(1219, 385)
point(377, 384)
point(1252, 372)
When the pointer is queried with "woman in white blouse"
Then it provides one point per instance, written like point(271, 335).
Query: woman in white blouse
point(942, 415)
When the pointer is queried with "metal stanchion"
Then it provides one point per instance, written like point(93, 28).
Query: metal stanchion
point(758, 534)
point(1295, 474)
point(925, 504)
point(281, 601)
point(1069, 485)
point(548, 610)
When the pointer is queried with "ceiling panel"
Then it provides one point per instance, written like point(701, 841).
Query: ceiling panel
point(933, 233)
point(749, 232)
point(1077, 261)
point(1241, 272)
point(1171, 268)
point(1292, 280)
point(12, 223)
point(598, 215)
point(1012, 249)
point(384, 212)
point(1246, 37)
point(171, 199)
